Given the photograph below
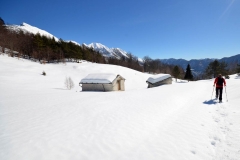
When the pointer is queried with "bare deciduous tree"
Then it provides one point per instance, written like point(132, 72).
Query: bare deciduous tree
point(69, 83)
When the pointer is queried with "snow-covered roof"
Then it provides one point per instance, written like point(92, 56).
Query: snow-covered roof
point(158, 77)
point(99, 78)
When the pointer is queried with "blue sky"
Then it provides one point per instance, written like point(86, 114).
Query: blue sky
point(188, 29)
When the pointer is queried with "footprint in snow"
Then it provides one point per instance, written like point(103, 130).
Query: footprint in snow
point(217, 139)
point(213, 143)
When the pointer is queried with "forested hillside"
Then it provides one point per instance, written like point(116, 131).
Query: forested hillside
point(48, 50)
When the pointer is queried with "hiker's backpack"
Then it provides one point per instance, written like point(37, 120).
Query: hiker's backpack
point(220, 81)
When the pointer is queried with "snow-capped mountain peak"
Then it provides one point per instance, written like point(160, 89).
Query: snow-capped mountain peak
point(120, 52)
point(74, 42)
point(30, 29)
point(105, 51)
point(108, 52)
point(97, 45)
point(25, 24)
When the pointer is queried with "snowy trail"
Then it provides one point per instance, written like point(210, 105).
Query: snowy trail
point(225, 133)
point(41, 120)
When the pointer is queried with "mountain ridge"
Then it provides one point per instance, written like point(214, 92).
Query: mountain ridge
point(199, 65)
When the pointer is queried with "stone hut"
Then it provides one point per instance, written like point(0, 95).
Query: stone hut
point(158, 80)
point(103, 82)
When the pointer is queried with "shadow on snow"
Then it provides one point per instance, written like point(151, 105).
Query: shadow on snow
point(209, 102)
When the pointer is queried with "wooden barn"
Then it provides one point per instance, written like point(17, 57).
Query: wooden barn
point(158, 80)
point(103, 82)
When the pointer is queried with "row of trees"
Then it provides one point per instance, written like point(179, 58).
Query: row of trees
point(130, 62)
point(213, 69)
point(156, 66)
point(178, 73)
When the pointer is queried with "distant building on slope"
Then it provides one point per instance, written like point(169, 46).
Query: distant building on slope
point(103, 82)
point(158, 80)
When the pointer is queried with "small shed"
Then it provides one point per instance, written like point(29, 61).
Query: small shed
point(103, 82)
point(158, 80)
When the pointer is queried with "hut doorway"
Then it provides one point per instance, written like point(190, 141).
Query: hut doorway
point(119, 85)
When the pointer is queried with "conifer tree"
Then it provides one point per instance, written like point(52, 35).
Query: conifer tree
point(1, 21)
point(238, 69)
point(176, 72)
point(188, 74)
point(214, 68)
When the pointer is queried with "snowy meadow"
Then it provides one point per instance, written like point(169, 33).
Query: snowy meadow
point(42, 120)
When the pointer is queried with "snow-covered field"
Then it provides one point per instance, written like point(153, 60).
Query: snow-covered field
point(41, 120)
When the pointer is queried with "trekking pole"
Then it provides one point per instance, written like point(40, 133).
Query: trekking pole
point(226, 94)
point(212, 92)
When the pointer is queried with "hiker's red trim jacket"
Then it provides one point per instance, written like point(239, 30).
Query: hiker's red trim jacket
point(219, 85)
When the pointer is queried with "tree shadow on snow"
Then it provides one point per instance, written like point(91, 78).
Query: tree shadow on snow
point(209, 102)
point(60, 88)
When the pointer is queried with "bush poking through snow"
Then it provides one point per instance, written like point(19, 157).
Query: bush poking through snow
point(44, 73)
point(69, 83)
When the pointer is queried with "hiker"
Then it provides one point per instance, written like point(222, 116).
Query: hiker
point(219, 81)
